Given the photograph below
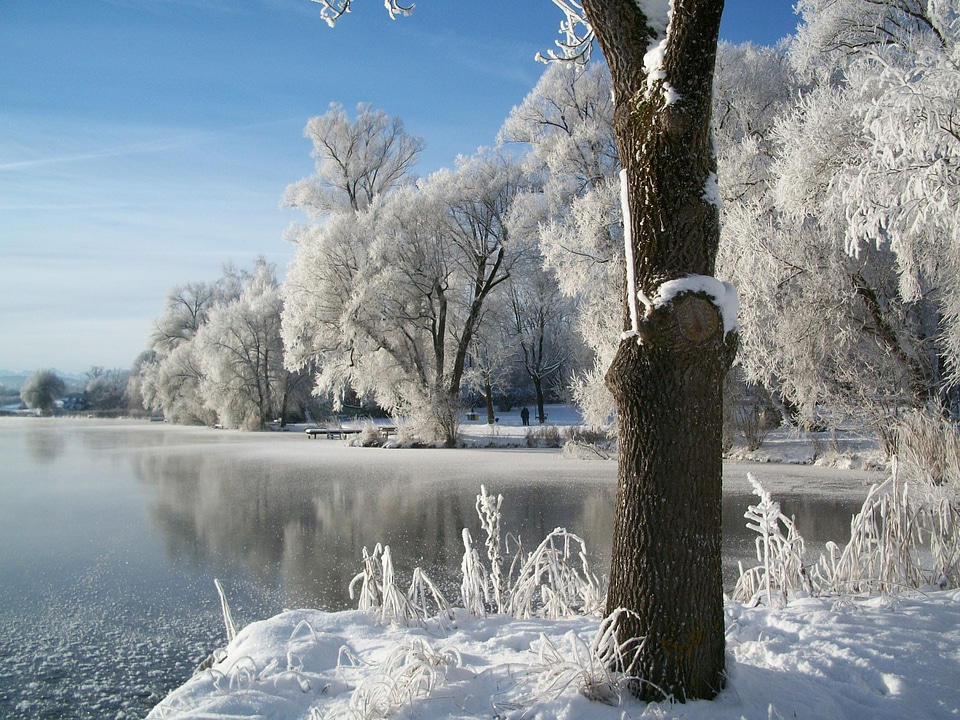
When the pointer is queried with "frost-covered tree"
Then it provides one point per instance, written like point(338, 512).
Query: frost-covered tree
point(567, 122)
point(668, 371)
point(187, 307)
point(491, 368)
point(171, 382)
point(753, 87)
point(144, 363)
point(848, 259)
point(216, 354)
point(171, 385)
point(106, 389)
point(356, 160)
point(541, 327)
point(241, 353)
point(41, 389)
point(388, 301)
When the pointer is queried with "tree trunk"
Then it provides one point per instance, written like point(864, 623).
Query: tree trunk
point(666, 556)
point(668, 379)
point(538, 389)
point(488, 399)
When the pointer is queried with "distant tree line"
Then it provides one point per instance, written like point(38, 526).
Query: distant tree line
point(103, 392)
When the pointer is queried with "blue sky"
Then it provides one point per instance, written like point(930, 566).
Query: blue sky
point(144, 143)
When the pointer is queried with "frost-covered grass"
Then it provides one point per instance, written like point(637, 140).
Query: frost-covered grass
point(552, 581)
point(905, 537)
point(864, 635)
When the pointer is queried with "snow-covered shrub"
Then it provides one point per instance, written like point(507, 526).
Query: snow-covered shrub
point(543, 436)
point(589, 443)
point(370, 435)
point(587, 436)
point(905, 536)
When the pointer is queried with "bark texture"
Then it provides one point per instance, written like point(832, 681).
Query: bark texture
point(666, 561)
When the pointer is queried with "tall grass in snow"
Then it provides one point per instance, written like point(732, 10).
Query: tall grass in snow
point(555, 580)
point(412, 670)
point(906, 536)
point(780, 551)
point(379, 593)
point(588, 668)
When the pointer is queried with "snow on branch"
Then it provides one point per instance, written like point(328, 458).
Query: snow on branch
point(578, 33)
point(333, 10)
point(724, 296)
point(632, 293)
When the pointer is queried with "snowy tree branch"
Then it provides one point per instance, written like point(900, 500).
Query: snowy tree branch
point(578, 33)
point(333, 10)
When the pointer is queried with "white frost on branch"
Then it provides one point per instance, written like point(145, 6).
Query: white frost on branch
point(578, 34)
point(628, 254)
point(333, 10)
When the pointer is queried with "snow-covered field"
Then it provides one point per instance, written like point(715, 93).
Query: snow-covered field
point(818, 658)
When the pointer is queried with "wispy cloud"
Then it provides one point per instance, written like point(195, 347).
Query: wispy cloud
point(21, 135)
point(80, 157)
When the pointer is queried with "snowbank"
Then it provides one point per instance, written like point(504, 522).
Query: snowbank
point(820, 659)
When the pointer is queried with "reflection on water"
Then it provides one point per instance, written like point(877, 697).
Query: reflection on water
point(111, 535)
point(301, 528)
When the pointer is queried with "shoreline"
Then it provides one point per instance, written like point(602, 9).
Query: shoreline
point(783, 463)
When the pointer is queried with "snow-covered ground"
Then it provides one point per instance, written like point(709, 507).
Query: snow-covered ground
point(817, 658)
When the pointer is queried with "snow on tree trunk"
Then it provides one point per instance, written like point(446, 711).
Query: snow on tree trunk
point(667, 379)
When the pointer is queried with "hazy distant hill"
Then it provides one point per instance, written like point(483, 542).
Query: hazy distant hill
point(15, 380)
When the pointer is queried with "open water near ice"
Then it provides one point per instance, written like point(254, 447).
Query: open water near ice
point(111, 534)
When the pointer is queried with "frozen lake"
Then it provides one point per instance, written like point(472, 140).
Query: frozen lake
point(111, 534)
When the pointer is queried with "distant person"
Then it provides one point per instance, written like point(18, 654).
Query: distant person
point(525, 416)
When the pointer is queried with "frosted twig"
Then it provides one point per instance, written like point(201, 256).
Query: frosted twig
point(225, 608)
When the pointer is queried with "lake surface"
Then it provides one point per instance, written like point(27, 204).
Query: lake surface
point(112, 532)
